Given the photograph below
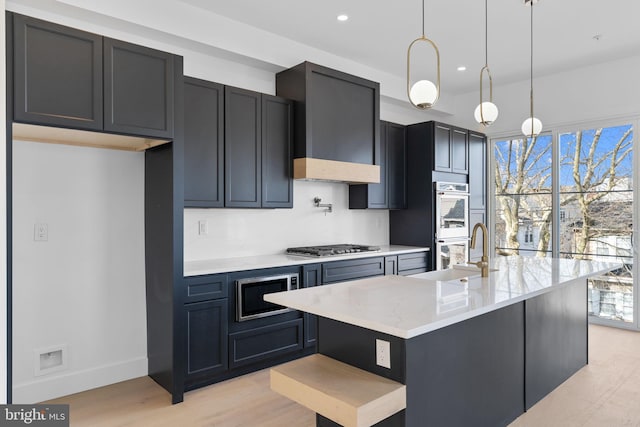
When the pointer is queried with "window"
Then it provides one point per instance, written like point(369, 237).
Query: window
point(588, 214)
point(596, 184)
point(523, 196)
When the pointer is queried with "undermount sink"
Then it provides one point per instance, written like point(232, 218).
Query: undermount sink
point(459, 273)
point(471, 268)
point(450, 274)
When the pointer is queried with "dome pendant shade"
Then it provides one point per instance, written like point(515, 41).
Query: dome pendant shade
point(423, 94)
point(531, 127)
point(486, 113)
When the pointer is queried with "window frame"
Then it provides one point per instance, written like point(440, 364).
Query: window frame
point(555, 130)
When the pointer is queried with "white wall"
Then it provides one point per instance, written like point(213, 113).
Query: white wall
point(245, 232)
point(84, 288)
point(597, 92)
point(3, 218)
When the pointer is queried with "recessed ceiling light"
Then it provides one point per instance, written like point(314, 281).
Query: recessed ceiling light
point(343, 17)
point(462, 68)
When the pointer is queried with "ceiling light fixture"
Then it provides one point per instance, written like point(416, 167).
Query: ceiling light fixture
point(486, 112)
point(531, 127)
point(462, 68)
point(423, 94)
point(342, 17)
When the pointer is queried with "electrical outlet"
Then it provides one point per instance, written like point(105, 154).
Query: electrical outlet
point(41, 232)
point(383, 353)
point(203, 227)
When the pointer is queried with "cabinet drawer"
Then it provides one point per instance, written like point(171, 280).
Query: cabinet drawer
point(413, 261)
point(339, 271)
point(200, 288)
point(263, 343)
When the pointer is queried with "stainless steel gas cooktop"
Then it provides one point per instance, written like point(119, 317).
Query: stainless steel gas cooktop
point(331, 250)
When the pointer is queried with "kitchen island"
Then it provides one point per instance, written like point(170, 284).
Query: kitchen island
point(470, 350)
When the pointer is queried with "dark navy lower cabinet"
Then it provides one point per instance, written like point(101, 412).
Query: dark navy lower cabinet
point(206, 324)
point(311, 276)
point(201, 288)
point(340, 271)
point(256, 345)
point(413, 263)
point(390, 265)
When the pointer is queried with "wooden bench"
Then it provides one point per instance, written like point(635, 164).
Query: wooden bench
point(342, 393)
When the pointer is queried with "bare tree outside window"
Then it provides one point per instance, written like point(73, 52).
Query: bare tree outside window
point(595, 218)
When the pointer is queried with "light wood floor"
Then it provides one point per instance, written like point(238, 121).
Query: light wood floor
point(606, 393)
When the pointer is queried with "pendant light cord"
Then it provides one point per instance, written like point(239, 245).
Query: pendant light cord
point(423, 18)
point(531, 71)
point(486, 35)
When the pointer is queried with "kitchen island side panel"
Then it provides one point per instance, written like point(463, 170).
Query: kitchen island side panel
point(556, 339)
point(468, 374)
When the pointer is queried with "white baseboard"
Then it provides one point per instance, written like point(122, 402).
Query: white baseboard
point(66, 383)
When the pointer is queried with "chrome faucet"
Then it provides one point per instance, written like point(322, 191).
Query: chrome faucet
point(483, 264)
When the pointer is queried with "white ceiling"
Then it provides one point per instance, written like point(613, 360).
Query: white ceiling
point(379, 32)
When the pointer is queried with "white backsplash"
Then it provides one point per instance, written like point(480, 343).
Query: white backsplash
point(246, 232)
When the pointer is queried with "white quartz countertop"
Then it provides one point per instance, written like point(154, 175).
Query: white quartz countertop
point(410, 306)
point(226, 265)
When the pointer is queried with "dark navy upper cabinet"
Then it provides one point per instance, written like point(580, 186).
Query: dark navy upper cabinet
point(58, 75)
point(390, 155)
point(451, 149)
point(203, 143)
point(70, 78)
point(477, 171)
point(277, 133)
point(242, 146)
point(138, 90)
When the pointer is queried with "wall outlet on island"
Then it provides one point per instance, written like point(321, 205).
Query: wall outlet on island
point(383, 353)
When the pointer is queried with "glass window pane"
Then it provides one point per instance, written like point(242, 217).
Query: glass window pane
point(523, 223)
point(596, 212)
point(523, 166)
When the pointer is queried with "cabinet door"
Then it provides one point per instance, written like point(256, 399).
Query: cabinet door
point(311, 276)
point(442, 147)
point(459, 151)
point(138, 90)
point(390, 265)
point(242, 148)
point(397, 166)
point(377, 197)
point(206, 324)
point(58, 75)
point(477, 171)
point(277, 174)
point(203, 143)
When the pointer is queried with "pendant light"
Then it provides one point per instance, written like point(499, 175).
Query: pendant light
point(531, 127)
point(486, 112)
point(423, 94)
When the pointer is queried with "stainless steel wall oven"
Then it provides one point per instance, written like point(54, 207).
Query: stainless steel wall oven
point(451, 224)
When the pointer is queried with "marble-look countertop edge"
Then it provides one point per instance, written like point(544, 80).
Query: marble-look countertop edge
point(440, 323)
point(229, 265)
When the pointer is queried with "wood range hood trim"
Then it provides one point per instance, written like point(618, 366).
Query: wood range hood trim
point(308, 168)
point(82, 138)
